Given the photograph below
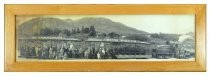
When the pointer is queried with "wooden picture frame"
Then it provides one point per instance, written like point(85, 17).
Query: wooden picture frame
point(11, 10)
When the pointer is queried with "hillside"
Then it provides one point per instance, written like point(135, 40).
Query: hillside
point(101, 25)
point(107, 25)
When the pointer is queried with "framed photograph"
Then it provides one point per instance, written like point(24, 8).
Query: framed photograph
point(105, 37)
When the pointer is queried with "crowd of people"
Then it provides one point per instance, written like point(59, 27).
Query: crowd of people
point(66, 52)
point(100, 50)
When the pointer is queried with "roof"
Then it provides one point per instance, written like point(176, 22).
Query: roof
point(50, 38)
point(89, 39)
point(116, 40)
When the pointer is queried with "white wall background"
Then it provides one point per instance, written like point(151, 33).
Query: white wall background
point(2, 73)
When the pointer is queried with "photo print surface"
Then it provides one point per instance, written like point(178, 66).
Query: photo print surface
point(105, 37)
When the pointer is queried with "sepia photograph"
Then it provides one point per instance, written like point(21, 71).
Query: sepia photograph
point(105, 37)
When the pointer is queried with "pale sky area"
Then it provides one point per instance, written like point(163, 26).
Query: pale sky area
point(176, 24)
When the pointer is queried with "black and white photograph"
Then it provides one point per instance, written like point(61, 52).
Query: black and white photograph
point(105, 37)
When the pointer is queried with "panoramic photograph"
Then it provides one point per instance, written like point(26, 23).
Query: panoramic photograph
point(105, 37)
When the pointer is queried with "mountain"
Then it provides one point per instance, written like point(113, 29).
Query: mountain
point(101, 25)
point(106, 25)
point(36, 24)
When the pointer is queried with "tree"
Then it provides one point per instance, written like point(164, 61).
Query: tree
point(86, 30)
point(168, 37)
point(46, 32)
point(74, 31)
point(167, 42)
point(83, 29)
point(113, 35)
point(62, 34)
point(92, 31)
point(67, 32)
point(78, 30)
point(103, 35)
point(155, 35)
point(56, 32)
point(138, 37)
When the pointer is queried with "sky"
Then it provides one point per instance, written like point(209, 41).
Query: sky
point(176, 24)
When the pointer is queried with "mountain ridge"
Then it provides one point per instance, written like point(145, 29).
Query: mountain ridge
point(101, 24)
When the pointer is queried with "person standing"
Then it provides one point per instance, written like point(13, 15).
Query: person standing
point(98, 55)
point(50, 53)
point(36, 51)
point(39, 52)
point(61, 53)
point(22, 50)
